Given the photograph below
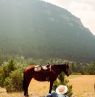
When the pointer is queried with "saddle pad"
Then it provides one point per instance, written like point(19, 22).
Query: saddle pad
point(44, 67)
point(37, 68)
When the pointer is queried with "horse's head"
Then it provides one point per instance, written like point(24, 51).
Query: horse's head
point(66, 68)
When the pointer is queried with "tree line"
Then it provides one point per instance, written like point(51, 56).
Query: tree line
point(83, 68)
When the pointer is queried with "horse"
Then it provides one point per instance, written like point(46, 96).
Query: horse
point(49, 73)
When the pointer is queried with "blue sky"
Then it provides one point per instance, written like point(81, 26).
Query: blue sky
point(84, 9)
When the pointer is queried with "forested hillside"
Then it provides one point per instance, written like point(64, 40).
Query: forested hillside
point(34, 28)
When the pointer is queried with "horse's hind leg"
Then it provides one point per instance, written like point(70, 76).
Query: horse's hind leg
point(26, 93)
point(26, 82)
point(25, 87)
point(28, 74)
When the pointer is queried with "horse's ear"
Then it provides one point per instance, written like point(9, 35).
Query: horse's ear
point(48, 63)
point(66, 62)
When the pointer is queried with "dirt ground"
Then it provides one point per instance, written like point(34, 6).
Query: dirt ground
point(83, 86)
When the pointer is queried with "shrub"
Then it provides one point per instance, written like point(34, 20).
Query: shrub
point(5, 70)
point(11, 76)
point(14, 81)
point(63, 81)
point(8, 84)
point(8, 67)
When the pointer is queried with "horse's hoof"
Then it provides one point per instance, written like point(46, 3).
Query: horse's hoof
point(26, 95)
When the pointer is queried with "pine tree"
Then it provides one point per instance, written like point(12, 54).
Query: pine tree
point(61, 80)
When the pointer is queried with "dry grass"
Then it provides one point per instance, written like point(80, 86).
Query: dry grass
point(38, 88)
point(83, 86)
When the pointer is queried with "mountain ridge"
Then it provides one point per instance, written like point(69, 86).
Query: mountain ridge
point(40, 29)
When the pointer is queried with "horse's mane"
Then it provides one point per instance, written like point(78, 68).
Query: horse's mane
point(57, 65)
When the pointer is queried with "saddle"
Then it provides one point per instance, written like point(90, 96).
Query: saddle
point(39, 67)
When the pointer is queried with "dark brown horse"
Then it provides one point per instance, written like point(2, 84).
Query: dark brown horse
point(49, 73)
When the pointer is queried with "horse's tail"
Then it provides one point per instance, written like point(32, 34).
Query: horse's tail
point(26, 78)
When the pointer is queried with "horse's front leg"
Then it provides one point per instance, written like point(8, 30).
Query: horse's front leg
point(51, 84)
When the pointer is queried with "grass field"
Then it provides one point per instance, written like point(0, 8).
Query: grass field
point(83, 86)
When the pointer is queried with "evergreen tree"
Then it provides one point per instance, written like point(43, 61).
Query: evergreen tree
point(63, 81)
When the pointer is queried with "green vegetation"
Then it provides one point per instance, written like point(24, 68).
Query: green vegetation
point(63, 81)
point(11, 75)
point(14, 81)
point(81, 68)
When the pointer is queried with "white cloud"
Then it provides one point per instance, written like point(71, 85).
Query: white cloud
point(84, 9)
